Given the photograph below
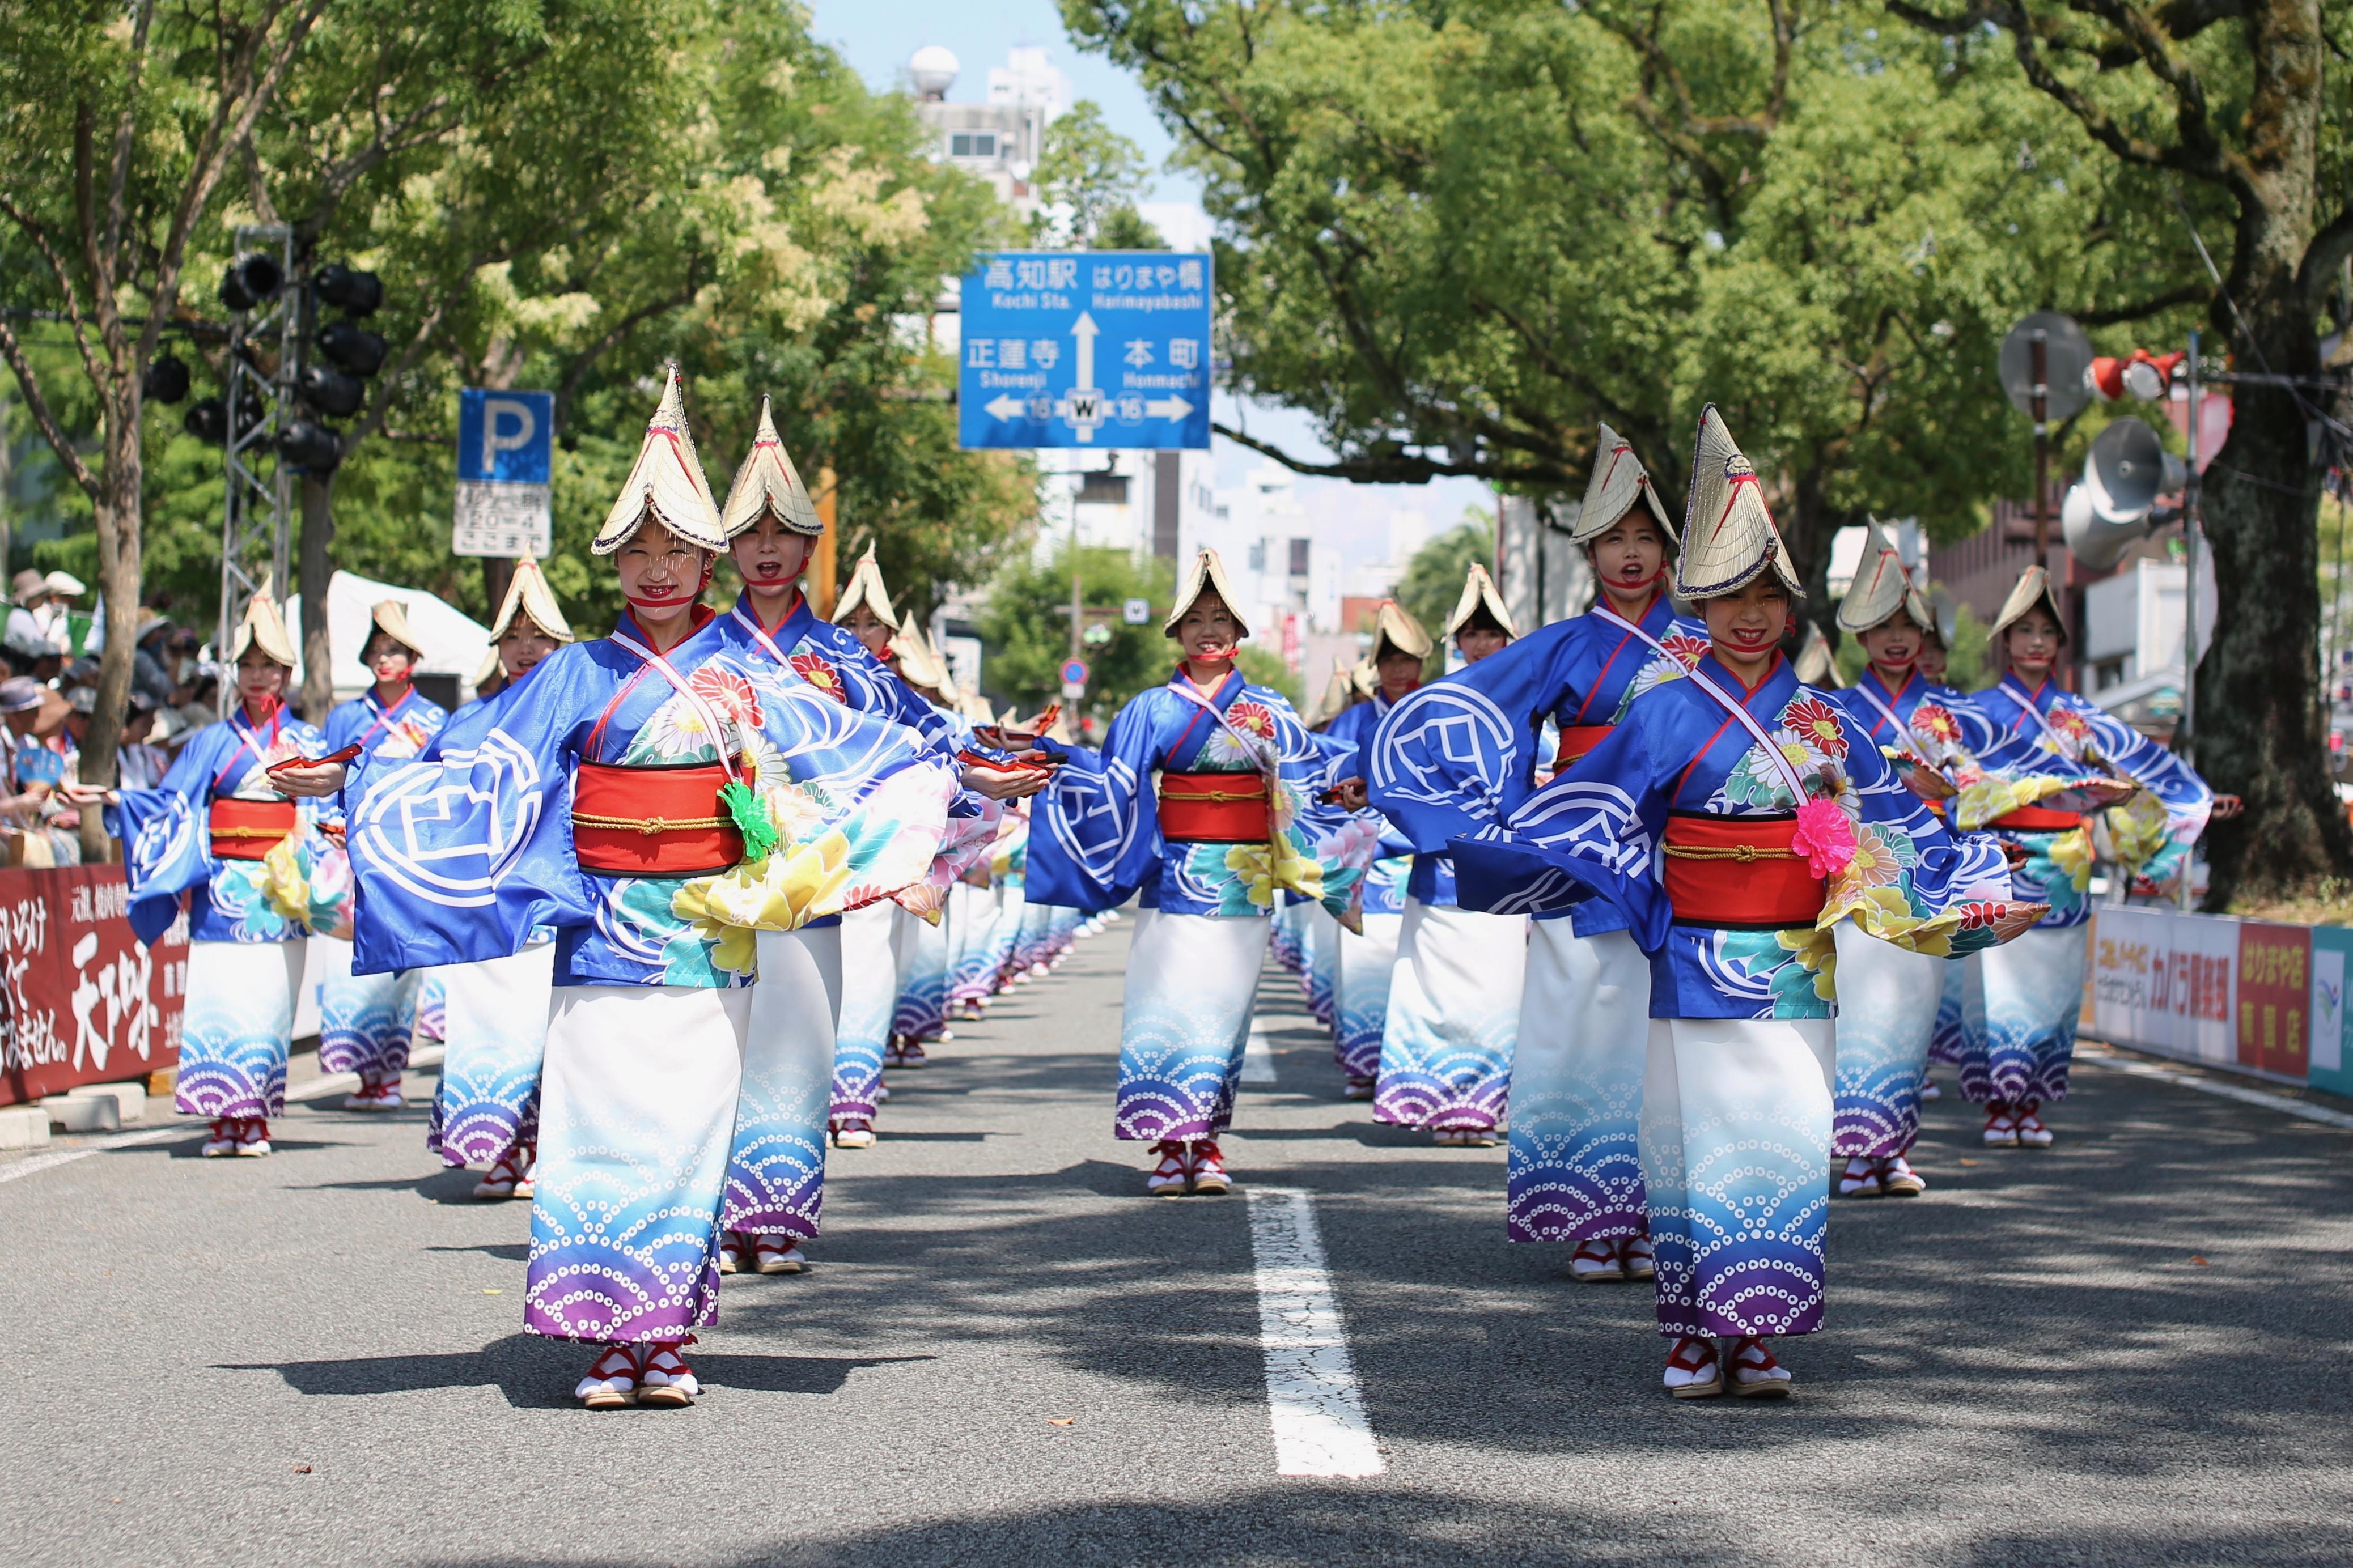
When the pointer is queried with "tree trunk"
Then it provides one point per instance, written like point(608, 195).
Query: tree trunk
point(315, 575)
point(2258, 728)
point(497, 576)
point(118, 516)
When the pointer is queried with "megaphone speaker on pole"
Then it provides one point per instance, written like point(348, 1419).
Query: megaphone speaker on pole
point(2128, 469)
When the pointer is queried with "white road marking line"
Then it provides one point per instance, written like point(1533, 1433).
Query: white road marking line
point(1311, 1398)
point(1258, 1056)
point(2240, 1093)
point(319, 1088)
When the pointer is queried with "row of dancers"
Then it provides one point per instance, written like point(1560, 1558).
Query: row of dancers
point(667, 878)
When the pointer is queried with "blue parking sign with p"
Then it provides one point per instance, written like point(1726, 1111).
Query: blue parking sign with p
point(505, 437)
point(1085, 348)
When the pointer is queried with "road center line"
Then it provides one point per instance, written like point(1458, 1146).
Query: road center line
point(2240, 1093)
point(1258, 1056)
point(1311, 1398)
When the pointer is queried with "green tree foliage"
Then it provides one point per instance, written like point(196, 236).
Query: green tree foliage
point(1460, 236)
point(1091, 177)
point(1026, 627)
point(1432, 583)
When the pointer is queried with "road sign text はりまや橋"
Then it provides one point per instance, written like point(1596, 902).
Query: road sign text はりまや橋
point(1085, 348)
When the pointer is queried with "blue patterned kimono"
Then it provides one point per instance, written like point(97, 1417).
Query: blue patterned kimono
point(235, 1031)
point(2032, 994)
point(1096, 841)
point(1459, 756)
point(363, 1026)
point(463, 856)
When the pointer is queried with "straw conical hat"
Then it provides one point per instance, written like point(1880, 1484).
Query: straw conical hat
point(1880, 588)
point(2033, 589)
point(1479, 591)
point(1366, 676)
point(1619, 478)
point(492, 668)
point(391, 617)
point(528, 595)
point(1339, 695)
point(1207, 574)
point(866, 590)
point(918, 665)
point(1394, 628)
point(1728, 536)
point(1815, 665)
point(666, 483)
point(265, 628)
point(767, 482)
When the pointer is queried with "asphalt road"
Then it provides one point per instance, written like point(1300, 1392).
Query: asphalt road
point(2130, 1350)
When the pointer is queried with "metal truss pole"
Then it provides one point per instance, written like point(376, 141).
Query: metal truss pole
point(257, 526)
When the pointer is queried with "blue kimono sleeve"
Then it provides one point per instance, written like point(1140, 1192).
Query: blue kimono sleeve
point(166, 846)
point(1592, 834)
point(1456, 755)
point(1091, 843)
point(459, 853)
point(1951, 867)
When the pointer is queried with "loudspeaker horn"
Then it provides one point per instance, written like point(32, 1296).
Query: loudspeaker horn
point(2128, 469)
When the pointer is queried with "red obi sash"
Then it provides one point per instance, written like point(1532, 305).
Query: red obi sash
point(653, 822)
point(2037, 819)
point(1739, 872)
point(1576, 740)
point(1214, 808)
point(248, 830)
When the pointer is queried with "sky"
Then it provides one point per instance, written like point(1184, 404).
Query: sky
point(878, 37)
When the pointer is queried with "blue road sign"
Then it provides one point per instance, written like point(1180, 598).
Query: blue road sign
point(1074, 672)
point(1085, 348)
point(505, 437)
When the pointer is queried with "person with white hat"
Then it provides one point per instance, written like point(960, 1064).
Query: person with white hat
point(1967, 771)
point(1736, 818)
point(776, 1162)
point(1195, 798)
point(2033, 988)
point(1458, 758)
point(1368, 958)
point(1454, 995)
point(364, 1026)
point(641, 794)
point(494, 1012)
point(264, 877)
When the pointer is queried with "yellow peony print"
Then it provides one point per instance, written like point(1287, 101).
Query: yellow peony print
point(282, 879)
point(792, 887)
point(1817, 953)
point(2071, 853)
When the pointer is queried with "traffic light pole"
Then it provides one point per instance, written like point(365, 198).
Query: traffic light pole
point(265, 352)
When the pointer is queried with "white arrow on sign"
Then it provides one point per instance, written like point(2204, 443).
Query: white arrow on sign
point(1167, 408)
point(1004, 405)
point(1084, 329)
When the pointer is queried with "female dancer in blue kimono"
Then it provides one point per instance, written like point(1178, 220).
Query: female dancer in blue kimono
point(1455, 994)
point(1236, 771)
point(485, 1109)
point(259, 874)
point(2033, 988)
point(776, 1169)
point(363, 1025)
point(1735, 819)
point(1950, 751)
point(1368, 959)
point(1459, 758)
point(660, 805)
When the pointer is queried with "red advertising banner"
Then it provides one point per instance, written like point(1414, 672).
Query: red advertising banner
point(2274, 993)
point(81, 1001)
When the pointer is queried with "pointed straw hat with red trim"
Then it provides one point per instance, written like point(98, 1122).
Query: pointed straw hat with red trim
point(1619, 480)
point(767, 484)
point(1881, 588)
point(666, 483)
point(1729, 539)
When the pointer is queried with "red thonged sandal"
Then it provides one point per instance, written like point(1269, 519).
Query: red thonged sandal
point(1168, 1178)
point(1596, 1261)
point(664, 1379)
point(1692, 1370)
point(612, 1381)
point(1755, 1373)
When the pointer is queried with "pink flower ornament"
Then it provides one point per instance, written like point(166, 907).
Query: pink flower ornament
point(1824, 838)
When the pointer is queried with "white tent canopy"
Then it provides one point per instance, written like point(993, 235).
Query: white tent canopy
point(454, 641)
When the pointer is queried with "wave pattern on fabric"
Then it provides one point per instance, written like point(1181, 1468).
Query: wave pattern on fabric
point(776, 1163)
point(1736, 1144)
point(1575, 1165)
point(1192, 981)
point(870, 987)
point(236, 1027)
point(921, 1009)
point(1361, 997)
point(1888, 1001)
point(624, 1228)
point(1960, 1011)
point(971, 922)
point(1322, 966)
point(489, 1098)
point(1453, 1018)
point(359, 1025)
point(2034, 999)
